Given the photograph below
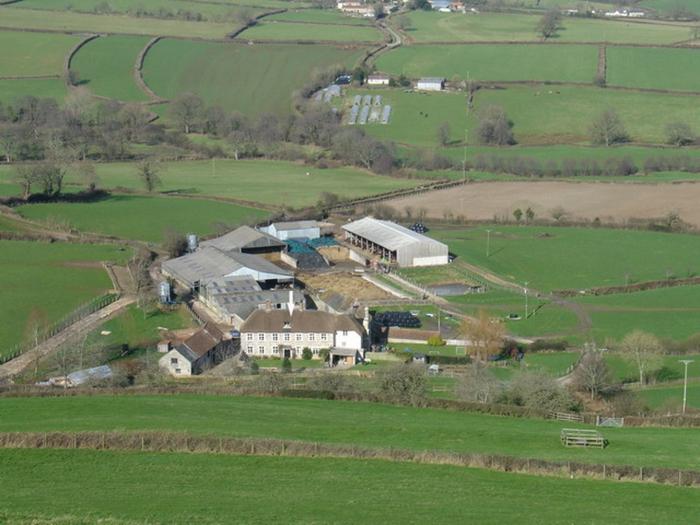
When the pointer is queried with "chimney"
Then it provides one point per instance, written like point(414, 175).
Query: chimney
point(365, 321)
point(290, 304)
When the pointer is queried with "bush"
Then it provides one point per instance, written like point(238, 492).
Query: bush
point(286, 366)
point(450, 360)
point(436, 340)
point(538, 390)
point(478, 385)
point(331, 382)
point(405, 383)
point(306, 354)
point(271, 383)
point(548, 344)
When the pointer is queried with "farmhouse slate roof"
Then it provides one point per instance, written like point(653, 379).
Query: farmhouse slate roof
point(201, 342)
point(299, 321)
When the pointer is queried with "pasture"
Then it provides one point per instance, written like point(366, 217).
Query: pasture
point(493, 62)
point(555, 258)
point(143, 218)
point(249, 79)
point(300, 31)
point(106, 67)
point(362, 424)
point(667, 6)
point(69, 21)
point(654, 68)
point(33, 54)
point(563, 114)
point(671, 397)
point(11, 90)
point(243, 482)
point(492, 27)
point(48, 281)
point(318, 16)
point(669, 368)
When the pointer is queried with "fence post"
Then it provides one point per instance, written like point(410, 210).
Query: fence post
point(641, 473)
point(680, 474)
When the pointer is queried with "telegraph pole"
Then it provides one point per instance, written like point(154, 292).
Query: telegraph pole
point(488, 243)
point(686, 362)
point(526, 309)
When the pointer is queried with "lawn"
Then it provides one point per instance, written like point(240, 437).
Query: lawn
point(666, 312)
point(106, 67)
point(654, 68)
point(493, 62)
point(249, 79)
point(52, 483)
point(48, 281)
point(574, 258)
point(34, 53)
point(362, 424)
point(490, 27)
point(298, 32)
point(16, 17)
point(271, 182)
point(563, 114)
point(144, 218)
point(11, 90)
point(415, 117)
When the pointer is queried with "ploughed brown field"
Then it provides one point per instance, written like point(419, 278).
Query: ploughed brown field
point(609, 202)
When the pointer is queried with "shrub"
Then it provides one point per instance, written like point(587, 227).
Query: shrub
point(286, 366)
point(436, 340)
point(331, 382)
point(537, 390)
point(405, 383)
point(306, 354)
point(478, 385)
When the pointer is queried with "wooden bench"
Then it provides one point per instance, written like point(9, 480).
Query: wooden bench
point(577, 437)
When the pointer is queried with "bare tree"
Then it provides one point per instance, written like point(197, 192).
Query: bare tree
point(88, 173)
point(405, 383)
point(484, 333)
point(494, 127)
point(148, 171)
point(537, 391)
point(175, 243)
point(443, 134)
point(643, 350)
point(679, 134)
point(478, 384)
point(592, 374)
point(558, 213)
point(25, 178)
point(549, 23)
point(607, 129)
point(187, 110)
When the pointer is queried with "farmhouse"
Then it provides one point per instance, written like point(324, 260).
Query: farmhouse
point(395, 244)
point(378, 80)
point(285, 333)
point(431, 84)
point(357, 8)
point(293, 230)
point(205, 349)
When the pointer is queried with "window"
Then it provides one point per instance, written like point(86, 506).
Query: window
point(286, 337)
point(261, 349)
point(315, 350)
point(299, 337)
point(261, 337)
point(250, 349)
point(178, 371)
point(312, 337)
point(173, 360)
point(275, 349)
point(249, 337)
point(323, 337)
point(345, 333)
point(275, 337)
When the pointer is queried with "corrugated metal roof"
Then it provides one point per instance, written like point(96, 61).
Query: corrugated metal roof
point(431, 80)
point(388, 234)
point(243, 238)
point(295, 225)
point(90, 374)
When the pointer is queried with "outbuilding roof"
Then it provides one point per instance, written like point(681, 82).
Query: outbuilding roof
point(244, 304)
point(431, 80)
point(201, 342)
point(295, 225)
point(388, 234)
point(243, 238)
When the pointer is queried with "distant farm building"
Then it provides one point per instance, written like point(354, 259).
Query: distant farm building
point(204, 350)
point(357, 8)
point(378, 80)
point(431, 84)
point(395, 244)
point(293, 230)
point(247, 240)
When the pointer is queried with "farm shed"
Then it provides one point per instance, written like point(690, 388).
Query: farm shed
point(344, 357)
point(378, 80)
point(395, 244)
point(205, 349)
point(210, 263)
point(293, 230)
point(431, 84)
point(246, 240)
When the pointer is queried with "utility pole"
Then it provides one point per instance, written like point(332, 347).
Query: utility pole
point(488, 243)
point(464, 159)
point(686, 362)
point(526, 309)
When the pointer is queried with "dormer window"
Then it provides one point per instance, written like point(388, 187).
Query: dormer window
point(287, 325)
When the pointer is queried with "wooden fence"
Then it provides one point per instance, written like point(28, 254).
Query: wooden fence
point(579, 437)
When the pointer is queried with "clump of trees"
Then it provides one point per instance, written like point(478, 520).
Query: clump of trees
point(644, 351)
point(404, 383)
point(478, 385)
point(538, 391)
point(549, 23)
point(607, 129)
point(484, 333)
point(679, 134)
point(494, 127)
point(592, 375)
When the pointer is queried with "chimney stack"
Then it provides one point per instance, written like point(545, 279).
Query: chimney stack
point(290, 304)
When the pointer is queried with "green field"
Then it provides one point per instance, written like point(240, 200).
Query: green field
point(271, 182)
point(18, 18)
point(51, 484)
point(574, 258)
point(249, 79)
point(34, 54)
point(493, 62)
point(415, 117)
point(298, 32)
point(666, 6)
point(672, 370)
point(106, 66)
point(560, 114)
point(319, 16)
point(654, 68)
point(362, 424)
point(52, 279)
point(671, 397)
point(11, 90)
point(491, 27)
point(144, 218)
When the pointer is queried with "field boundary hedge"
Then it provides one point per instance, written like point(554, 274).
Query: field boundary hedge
point(685, 44)
point(71, 55)
point(631, 288)
point(138, 72)
point(179, 442)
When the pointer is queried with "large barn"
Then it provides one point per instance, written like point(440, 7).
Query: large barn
point(395, 244)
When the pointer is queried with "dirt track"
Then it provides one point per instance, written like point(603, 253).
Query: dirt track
point(610, 202)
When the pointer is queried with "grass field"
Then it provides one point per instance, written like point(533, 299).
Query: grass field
point(271, 182)
point(362, 424)
point(667, 6)
point(493, 62)
point(51, 484)
point(106, 66)
point(560, 114)
point(51, 279)
point(298, 32)
point(415, 117)
point(11, 90)
point(671, 396)
point(18, 18)
point(35, 54)
point(319, 16)
point(249, 79)
point(574, 258)
point(672, 370)
point(654, 68)
point(439, 27)
point(144, 218)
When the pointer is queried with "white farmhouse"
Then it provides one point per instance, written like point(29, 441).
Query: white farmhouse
point(378, 80)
